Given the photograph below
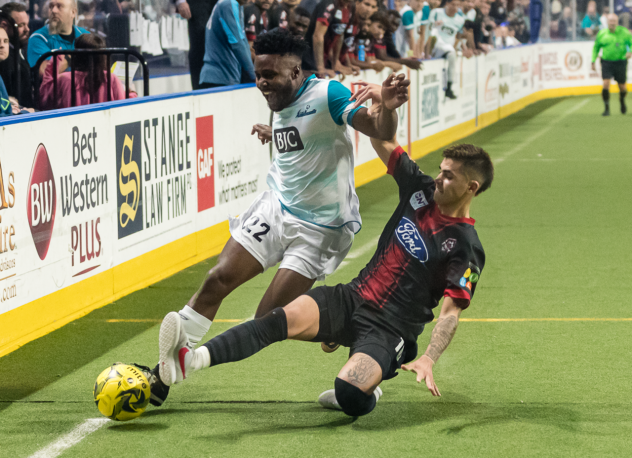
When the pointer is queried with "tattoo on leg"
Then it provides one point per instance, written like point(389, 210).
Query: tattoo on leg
point(362, 371)
point(441, 336)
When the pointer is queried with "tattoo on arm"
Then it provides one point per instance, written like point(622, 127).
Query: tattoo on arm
point(441, 336)
point(363, 370)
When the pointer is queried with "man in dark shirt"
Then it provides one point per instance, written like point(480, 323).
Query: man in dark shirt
point(429, 249)
point(299, 21)
point(256, 19)
point(281, 15)
point(8, 69)
point(329, 21)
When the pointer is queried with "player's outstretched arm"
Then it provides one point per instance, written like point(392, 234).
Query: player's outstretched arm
point(383, 124)
point(441, 337)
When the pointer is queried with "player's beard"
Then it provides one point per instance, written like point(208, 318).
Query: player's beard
point(54, 26)
point(281, 97)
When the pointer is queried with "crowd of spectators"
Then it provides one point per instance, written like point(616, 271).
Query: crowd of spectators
point(345, 37)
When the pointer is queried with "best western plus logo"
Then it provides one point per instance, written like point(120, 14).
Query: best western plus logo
point(205, 163)
point(41, 201)
point(129, 181)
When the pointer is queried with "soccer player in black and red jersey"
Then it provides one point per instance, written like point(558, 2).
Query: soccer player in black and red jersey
point(428, 250)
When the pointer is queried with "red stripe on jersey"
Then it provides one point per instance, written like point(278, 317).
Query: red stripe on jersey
point(458, 294)
point(322, 20)
point(379, 284)
point(251, 36)
point(392, 161)
point(431, 221)
point(376, 46)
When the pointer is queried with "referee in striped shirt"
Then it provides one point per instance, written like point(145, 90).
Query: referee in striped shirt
point(616, 42)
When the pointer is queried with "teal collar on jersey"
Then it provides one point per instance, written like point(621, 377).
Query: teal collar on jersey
point(304, 86)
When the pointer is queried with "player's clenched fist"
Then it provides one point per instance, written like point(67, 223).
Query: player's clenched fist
point(264, 133)
point(423, 368)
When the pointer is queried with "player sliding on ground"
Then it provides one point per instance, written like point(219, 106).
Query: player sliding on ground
point(307, 220)
point(429, 249)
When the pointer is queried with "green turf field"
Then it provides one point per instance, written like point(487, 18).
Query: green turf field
point(552, 378)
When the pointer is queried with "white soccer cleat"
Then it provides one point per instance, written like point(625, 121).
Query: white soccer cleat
point(327, 399)
point(176, 352)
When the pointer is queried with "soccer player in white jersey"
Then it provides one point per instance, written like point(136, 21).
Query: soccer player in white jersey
point(447, 26)
point(307, 220)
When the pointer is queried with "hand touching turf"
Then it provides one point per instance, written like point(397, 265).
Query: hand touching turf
point(423, 368)
point(264, 133)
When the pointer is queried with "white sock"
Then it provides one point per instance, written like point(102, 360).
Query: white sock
point(195, 325)
point(201, 360)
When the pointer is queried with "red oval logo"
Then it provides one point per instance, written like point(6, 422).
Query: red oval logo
point(41, 201)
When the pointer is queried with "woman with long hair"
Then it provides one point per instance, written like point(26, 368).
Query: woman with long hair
point(90, 78)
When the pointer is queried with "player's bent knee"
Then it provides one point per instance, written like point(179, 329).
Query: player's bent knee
point(353, 401)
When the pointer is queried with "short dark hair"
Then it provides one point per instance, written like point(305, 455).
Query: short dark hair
point(394, 13)
point(300, 11)
point(382, 18)
point(14, 6)
point(473, 159)
point(280, 42)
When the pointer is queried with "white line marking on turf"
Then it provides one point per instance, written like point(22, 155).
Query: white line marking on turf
point(72, 438)
point(539, 134)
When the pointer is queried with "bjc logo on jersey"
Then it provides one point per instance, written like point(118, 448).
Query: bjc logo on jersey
point(41, 202)
point(409, 237)
point(205, 162)
point(287, 140)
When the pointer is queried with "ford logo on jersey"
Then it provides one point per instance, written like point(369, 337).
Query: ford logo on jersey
point(409, 237)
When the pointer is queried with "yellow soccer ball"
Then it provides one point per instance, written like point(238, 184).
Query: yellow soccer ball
point(121, 392)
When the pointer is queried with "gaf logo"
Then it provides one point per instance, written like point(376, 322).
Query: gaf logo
point(205, 163)
point(409, 237)
point(129, 185)
point(287, 140)
point(418, 200)
point(41, 201)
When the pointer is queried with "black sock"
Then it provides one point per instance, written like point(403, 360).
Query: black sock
point(622, 95)
point(605, 95)
point(449, 87)
point(248, 338)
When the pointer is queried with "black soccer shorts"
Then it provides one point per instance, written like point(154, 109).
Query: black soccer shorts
point(616, 69)
point(347, 319)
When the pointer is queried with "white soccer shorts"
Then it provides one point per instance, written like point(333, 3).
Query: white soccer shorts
point(272, 235)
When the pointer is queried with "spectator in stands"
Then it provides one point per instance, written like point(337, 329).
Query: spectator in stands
point(198, 13)
point(5, 104)
point(374, 47)
point(227, 59)
point(256, 20)
point(327, 25)
point(89, 87)
point(590, 24)
point(566, 23)
point(281, 14)
point(8, 70)
point(389, 53)
point(60, 33)
point(391, 50)
point(412, 34)
point(19, 14)
point(498, 11)
point(447, 28)
point(468, 9)
point(505, 37)
point(361, 11)
point(603, 19)
point(299, 21)
point(623, 9)
point(357, 49)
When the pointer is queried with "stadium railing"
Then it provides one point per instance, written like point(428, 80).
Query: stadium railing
point(108, 52)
